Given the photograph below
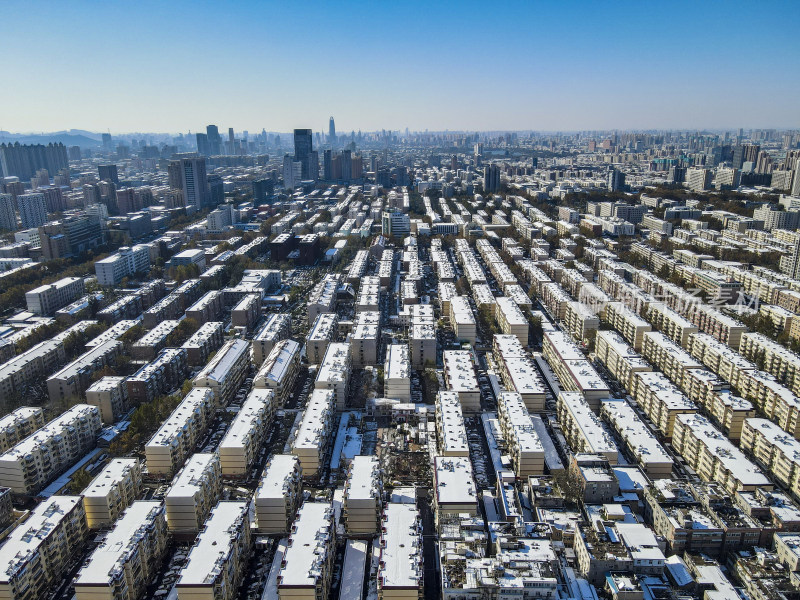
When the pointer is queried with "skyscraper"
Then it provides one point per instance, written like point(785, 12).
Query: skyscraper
point(202, 144)
point(32, 210)
point(24, 160)
point(8, 218)
point(193, 180)
point(491, 178)
point(347, 165)
point(327, 166)
point(331, 132)
point(214, 140)
point(302, 150)
point(616, 180)
point(108, 173)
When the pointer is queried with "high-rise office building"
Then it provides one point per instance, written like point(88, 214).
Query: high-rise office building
point(745, 153)
point(193, 180)
point(331, 132)
point(347, 165)
point(8, 217)
point(108, 173)
point(32, 210)
point(214, 140)
point(202, 144)
point(303, 146)
point(327, 165)
point(24, 160)
point(216, 190)
point(107, 143)
point(491, 178)
point(616, 180)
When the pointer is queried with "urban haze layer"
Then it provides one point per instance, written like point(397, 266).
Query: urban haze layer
point(388, 365)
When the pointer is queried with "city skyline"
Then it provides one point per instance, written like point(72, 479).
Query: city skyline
point(455, 67)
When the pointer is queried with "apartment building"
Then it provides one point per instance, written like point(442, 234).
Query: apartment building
point(128, 559)
point(772, 357)
point(459, 376)
point(315, 430)
point(110, 395)
point(400, 558)
point(176, 438)
point(195, 490)
point(163, 374)
point(462, 319)
point(19, 424)
point(277, 327)
point(362, 496)
point(771, 399)
point(155, 340)
point(618, 357)
point(454, 487)
point(279, 494)
point(638, 439)
point(112, 491)
point(673, 360)
point(207, 339)
point(518, 372)
point(524, 446)
point(720, 326)
point(307, 565)
point(511, 320)
point(37, 551)
point(714, 457)
point(369, 293)
point(238, 449)
point(218, 559)
point(396, 371)
point(225, 373)
point(72, 380)
point(573, 370)
point(322, 298)
point(321, 333)
point(207, 308)
point(334, 372)
point(247, 312)
point(36, 460)
point(555, 300)
point(364, 339)
point(661, 401)
point(579, 320)
point(583, 429)
point(719, 357)
point(126, 262)
point(450, 425)
point(279, 371)
point(673, 325)
point(46, 299)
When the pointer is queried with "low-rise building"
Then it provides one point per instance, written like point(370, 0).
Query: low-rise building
point(307, 565)
point(35, 461)
point(176, 438)
point(278, 327)
point(19, 424)
point(218, 559)
point(524, 445)
point(714, 457)
point(362, 496)
point(37, 551)
point(638, 439)
point(162, 375)
point(247, 312)
point(207, 339)
point(518, 371)
point(364, 339)
point(450, 425)
point(334, 372)
point(400, 559)
point(511, 320)
point(279, 371)
point(225, 373)
point(459, 376)
point(246, 435)
point(195, 491)
point(661, 401)
point(279, 494)
point(112, 491)
point(583, 429)
point(396, 371)
point(314, 432)
point(454, 486)
point(127, 560)
point(110, 395)
point(462, 319)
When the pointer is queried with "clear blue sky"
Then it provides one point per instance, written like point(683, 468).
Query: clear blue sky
point(177, 66)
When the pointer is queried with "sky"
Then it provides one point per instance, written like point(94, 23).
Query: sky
point(177, 66)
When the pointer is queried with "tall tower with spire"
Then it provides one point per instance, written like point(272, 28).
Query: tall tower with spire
point(331, 132)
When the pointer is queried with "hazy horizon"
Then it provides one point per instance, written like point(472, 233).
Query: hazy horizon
point(175, 67)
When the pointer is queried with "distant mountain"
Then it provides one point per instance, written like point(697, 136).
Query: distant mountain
point(73, 137)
